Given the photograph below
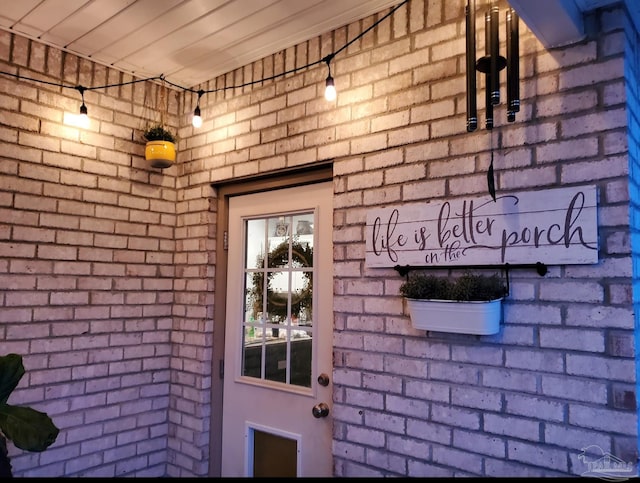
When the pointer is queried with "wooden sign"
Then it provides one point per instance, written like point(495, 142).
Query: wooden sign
point(554, 227)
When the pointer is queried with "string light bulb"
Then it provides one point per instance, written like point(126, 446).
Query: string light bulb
point(330, 86)
point(330, 90)
point(83, 118)
point(196, 121)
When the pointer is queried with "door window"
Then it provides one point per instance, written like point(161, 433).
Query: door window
point(278, 326)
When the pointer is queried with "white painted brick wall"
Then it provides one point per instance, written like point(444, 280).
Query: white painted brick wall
point(105, 261)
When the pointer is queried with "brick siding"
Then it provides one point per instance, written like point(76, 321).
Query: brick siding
point(108, 265)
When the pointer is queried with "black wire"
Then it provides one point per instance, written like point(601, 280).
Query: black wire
point(200, 92)
point(326, 59)
point(158, 77)
point(372, 26)
point(78, 87)
point(275, 76)
point(18, 76)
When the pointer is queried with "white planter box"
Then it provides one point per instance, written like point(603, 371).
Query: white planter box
point(479, 318)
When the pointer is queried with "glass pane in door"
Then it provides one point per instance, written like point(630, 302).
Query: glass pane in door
point(278, 326)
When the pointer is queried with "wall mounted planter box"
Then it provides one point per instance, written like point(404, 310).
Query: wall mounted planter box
point(478, 318)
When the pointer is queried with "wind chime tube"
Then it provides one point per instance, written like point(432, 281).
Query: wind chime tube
point(494, 52)
point(513, 65)
point(489, 84)
point(472, 108)
point(510, 114)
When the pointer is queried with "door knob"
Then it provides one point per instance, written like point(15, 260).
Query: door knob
point(323, 380)
point(320, 410)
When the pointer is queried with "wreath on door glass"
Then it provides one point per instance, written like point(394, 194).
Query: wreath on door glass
point(302, 256)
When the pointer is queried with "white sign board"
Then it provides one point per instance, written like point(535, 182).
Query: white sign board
point(553, 227)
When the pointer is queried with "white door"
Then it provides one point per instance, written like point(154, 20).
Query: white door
point(279, 327)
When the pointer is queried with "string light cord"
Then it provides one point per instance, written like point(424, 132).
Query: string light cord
point(325, 59)
point(79, 87)
point(201, 92)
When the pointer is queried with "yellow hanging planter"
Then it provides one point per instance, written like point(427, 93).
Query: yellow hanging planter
point(162, 154)
point(160, 148)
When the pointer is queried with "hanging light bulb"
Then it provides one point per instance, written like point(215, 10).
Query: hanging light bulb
point(330, 86)
point(330, 89)
point(196, 121)
point(84, 118)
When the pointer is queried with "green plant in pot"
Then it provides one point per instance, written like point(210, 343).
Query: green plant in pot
point(29, 429)
point(468, 287)
point(160, 148)
point(470, 304)
point(159, 133)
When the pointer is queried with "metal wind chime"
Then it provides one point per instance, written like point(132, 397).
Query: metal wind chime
point(491, 64)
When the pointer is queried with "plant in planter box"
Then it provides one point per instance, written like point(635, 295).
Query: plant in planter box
point(471, 304)
point(160, 148)
point(29, 429)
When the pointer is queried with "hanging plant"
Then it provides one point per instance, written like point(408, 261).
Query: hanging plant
point(471, 304)
point(160, 149)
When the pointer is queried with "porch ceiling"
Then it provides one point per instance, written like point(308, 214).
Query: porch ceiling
point(192, 41)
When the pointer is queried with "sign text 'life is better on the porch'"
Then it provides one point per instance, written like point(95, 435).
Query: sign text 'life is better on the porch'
point(556, 226)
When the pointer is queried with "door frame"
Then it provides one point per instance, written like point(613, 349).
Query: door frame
point(288, 178)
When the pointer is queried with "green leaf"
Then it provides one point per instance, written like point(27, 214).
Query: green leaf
point(159, 133)
point(29, 429)
point(11, 371)
point(5, 462)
